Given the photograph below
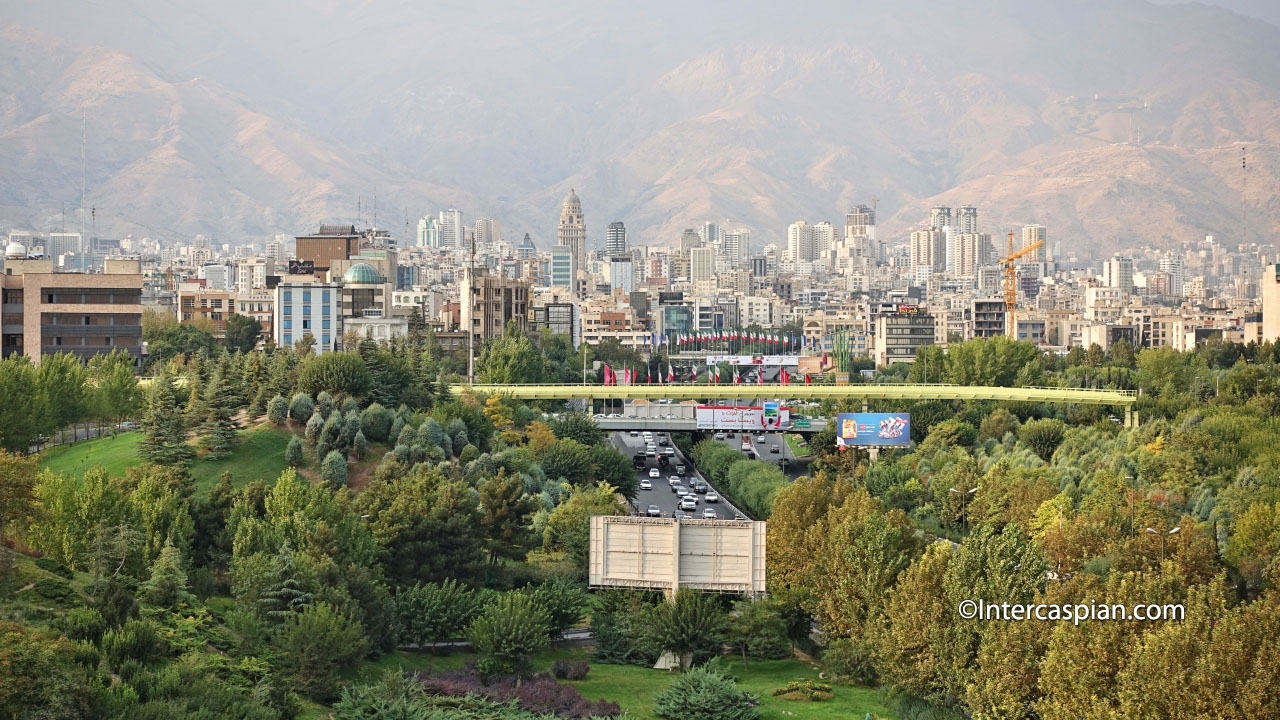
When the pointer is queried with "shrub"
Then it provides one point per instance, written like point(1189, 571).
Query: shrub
point(135, 640)
point(324, 403)
point(301, 407)
point(319, 641)
point(55, 567)
point(315, 425)
point(375, 422)
point(84, 624)
point(539, 694)
point(333, 469)
point(704, 693)
point(293, 452)
point(55, 589)
point(469, 452)
point(277, 410)
point(849, 659)
point(359, 446)
point(86, 655)
point(508, 632)
point(1043, 436)
point(808, 691)
point(996, 425)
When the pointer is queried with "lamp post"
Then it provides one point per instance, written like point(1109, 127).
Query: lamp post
point(1163, 535)
point(1133, 491)
point(964, 498)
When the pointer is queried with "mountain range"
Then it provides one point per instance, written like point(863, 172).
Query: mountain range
point(1117, 123)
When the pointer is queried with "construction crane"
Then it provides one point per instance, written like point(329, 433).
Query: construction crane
point(1011, 284)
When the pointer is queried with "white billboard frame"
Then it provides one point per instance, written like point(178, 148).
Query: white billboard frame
point(668, 553)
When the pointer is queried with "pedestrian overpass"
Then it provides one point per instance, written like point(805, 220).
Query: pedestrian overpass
point(907, 391)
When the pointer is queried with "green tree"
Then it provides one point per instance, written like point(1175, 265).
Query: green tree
point(705, 693)
point(18, 422)
point(691, 626)
point(293, 452)
point(167, 585)
point(315, 425)
point(301, 407)
point(17, 492)
point(505, 516)
point(241, 333)
point(318, 642)
point(566, 460)
point(358, 446)
point(752, 624)
point(1043, 436)
point(564, 603)
point(284, 596)
point(116, 394)
point(435, 612)
point(333, 469)
point(375, 423)
point(569, 525)
point(614, 469)
point(427, 527)
point(278, 410)
point(340, 373)
point(507, 634)
point(509, 360)
point(41, 678)
point(577, 426)
point(218, 431)
point(61, 398)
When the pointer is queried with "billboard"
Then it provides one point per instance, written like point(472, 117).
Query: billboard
point(302, 267)
point(769, 360)
point(770, 417)
point(873, 429)
point(666, 554)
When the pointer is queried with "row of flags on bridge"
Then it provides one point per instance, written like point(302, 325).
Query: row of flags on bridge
point(629, 376)
point(700, 338)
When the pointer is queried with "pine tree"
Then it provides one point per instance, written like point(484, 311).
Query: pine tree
point(314, 426)
point(167, 585)
point(285, 596)
point(333, 469)
point(164, 439)
point(218, 431)
point(358, 446)
point(197, 410)
point(293, 453)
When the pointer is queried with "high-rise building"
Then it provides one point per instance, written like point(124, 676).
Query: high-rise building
point(488, 232)
point(824, 239)
point(928, 251)
point(309, 308)
point(1032, 234)
point(1271, 303)
point(966, 220)
point(702, 264)
point(939, 217)
point(710, 233)
point(330, 243)
point(689, 240)
point(428, 232)
point(452, 232)
point(804, 241)
point(61, 243)
point(860, 222)
point(572, 232)
point(1171, 263)
point(615, 239)
point(561, 267)
point(972, 251)
point(1118, 273)
point(496, 301)
point(621, 273)
point(736, 245)
point(526, 250)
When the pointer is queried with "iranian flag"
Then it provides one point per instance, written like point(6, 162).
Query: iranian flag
point(717, 374)
point(808, 380)
point(671, 373)
point(785, 377)
point(736, 380)
point(608, 375)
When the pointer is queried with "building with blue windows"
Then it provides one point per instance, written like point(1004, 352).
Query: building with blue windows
point(309, 308)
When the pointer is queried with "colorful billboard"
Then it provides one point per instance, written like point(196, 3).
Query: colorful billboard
point(873, 429)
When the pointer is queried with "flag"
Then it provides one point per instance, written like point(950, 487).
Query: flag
point(808, 380)
point(671, 373)
point(782, 376)
point(648, 373)
point(717, 374)
point(608, 374)
point(760, 377)
point(694, 377)
point(736, 380)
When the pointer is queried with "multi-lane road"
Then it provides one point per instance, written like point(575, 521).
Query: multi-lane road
point(660, 494)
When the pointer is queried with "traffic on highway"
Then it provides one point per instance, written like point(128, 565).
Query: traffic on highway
point(669, 484)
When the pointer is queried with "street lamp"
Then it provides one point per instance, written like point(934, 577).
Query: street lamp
point(1133, 491)
point(1163, 535)
point(964, 497)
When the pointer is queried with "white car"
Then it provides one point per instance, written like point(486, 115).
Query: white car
point(633, 432)
point(655, 473)
point(646, 485)
point(673, 481)
point(719, 436)
point(712, 497)
point(687, 504)
point(710, 514)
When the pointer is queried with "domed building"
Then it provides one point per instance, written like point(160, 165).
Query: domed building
point(572, 233)
point(362, 274)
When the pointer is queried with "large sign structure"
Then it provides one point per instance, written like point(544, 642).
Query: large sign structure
point(873, 429)
point(770, 417)
point(667, 554)
point(770, 360)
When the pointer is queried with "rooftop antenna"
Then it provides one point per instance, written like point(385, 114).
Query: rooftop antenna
point(1244, 195)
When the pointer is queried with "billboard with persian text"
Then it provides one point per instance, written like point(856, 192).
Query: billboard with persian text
point(873, 429)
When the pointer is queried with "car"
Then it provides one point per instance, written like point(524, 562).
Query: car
point(681, 491)
point(687, 504)
point(673, 479)
point(712, 496)
point(774, 450)
point(700, 487)
point(646, 485)
point(710, 514)
point(719, 436)
point(633, 432)
point(127, 425)
point(664, 442)
point(680, 470)
point(730, 436)
point(654, 511)
point(682, 515)
point(655, 473)
point(663, 461)
point(669, 451)
point(746, 446)
point(650, 452)
point(739, 516)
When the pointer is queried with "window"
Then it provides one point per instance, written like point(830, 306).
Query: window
point(325, 296)
point(306, 324)
point(326, 324)
point(306, 309)
point(326, 341)
point(306, 296)
point(324, 310)
point(288, 339)
point(288, 296)
point(288, 324)
point(288, 309)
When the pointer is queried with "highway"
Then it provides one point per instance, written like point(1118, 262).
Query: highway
point(660, 494)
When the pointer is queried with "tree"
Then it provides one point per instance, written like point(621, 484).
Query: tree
point(506, 511)
point(318, 642)
point(752, 624)
point(17, 486)
point(614, 469)
point(315, 425)
point(42, 678)
point(563, 601)
point(569, 525)
point(1043, 437)
point(577, 426)
point(164, 439)
point(241, 333)
point(691, 626)
point(284, 596)
point(358, 446)
point(567, 460)
point(510, 360)
point(301, 407)
point(427, 527)
point(18, 422)
point(333, 469)
point(705, 693)
point(375, 423)
point(340, 373)
point(435, 612)
point(167, 585)
point(996, 425)
point(167, 341)
point(507, 633)
point(218, 431)
point(293, 452)
point(278, 410)
point(61, 398)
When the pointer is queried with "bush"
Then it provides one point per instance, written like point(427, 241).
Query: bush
point(1043, 437)
point(621, 629)
point(293, 452)
point(808, 691)
point(84, 624)
point(315, 426)
point(508, 632)
point(301, 407)
point(704, 693)
point(849, 659)
point(359, 446)
point(540, 694)
point(55, 589)
point(469, 452)
point(55, 567)
point(397, 433)
point(998, 424)
point(375, 422)
point(86, 655)
point(319, 641)
point(135, 640)
point(333, 469)
point(277, 410)
point(324, 403)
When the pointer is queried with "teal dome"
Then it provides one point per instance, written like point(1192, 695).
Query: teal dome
point(361, 274)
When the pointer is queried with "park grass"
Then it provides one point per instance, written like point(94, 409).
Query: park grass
point(115, 454)
point(635, 688)
point(793, 442)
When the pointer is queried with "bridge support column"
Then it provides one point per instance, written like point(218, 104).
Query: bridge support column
point(1130, 417)
point(866, 407)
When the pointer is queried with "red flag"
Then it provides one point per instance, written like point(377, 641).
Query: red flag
point(671, 373)
point(808, 380)
point(760, 377)
point(783, 376)
point(648, 374)
point(736, 380)
point(717, 374)
point(694, 375)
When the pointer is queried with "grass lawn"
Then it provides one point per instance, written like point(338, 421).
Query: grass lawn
point(793, 442)
point(116, 454)
point(634, 688)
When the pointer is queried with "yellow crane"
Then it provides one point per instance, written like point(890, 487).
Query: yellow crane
point(1011, 284)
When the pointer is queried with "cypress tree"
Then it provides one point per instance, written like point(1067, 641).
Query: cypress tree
point(285, 596)
point(164, 440)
